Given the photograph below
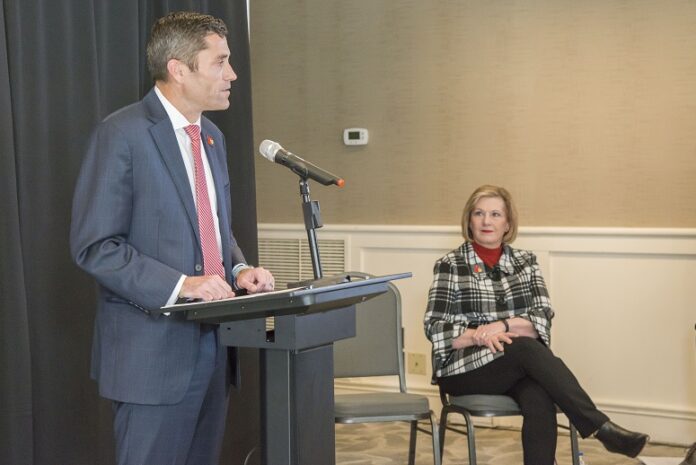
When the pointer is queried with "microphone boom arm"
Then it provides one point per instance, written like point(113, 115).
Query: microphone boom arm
point(312, 220)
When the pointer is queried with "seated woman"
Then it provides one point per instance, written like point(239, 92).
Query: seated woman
point(489, 320)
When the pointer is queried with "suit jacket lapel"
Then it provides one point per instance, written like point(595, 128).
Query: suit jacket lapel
point(165, 139)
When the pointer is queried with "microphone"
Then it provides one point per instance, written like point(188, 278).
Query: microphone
point(273, 151)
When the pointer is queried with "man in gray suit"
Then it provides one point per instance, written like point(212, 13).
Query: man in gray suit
point(152, 223)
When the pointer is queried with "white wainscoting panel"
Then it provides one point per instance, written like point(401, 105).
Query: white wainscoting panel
point(625, 312)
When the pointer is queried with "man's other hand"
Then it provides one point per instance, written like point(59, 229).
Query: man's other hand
point(255, 280)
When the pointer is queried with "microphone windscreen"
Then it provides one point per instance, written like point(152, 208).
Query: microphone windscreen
point(268, 149)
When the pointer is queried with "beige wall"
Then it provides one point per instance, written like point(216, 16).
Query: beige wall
point(585, 110)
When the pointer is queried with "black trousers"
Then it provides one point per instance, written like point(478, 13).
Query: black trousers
point(538, 380)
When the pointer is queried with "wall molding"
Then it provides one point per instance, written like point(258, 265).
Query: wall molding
point(670, 241)
point(523, 230)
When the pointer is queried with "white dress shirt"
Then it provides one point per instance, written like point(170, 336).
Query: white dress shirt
point(179, 122)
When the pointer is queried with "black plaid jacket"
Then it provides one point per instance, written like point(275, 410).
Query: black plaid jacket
point(464, 293)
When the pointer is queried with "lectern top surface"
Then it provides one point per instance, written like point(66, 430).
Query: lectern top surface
point(279, 293)
point(319, 295)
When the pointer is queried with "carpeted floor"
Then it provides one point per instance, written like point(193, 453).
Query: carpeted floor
point(387, 444)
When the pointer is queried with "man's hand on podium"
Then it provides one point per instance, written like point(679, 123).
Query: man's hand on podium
point(207, 288)
point(255, 280)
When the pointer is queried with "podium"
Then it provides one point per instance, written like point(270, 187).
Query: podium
point(295, 330)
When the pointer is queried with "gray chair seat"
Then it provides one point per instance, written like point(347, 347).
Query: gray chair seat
point(383, 404)
point(481, 405)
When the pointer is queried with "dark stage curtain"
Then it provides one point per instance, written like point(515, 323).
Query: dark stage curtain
point(65, 65)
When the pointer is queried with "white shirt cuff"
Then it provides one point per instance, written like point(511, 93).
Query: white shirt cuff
point(238, 268)
point(175, 293)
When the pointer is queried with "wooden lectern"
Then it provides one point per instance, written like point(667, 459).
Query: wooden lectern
point(295, 330)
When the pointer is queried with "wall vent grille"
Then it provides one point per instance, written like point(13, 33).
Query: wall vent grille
point(289, 259)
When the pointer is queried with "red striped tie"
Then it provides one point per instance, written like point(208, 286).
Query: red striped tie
point(212, 263)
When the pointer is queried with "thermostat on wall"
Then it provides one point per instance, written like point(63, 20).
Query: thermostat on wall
point(355, 136)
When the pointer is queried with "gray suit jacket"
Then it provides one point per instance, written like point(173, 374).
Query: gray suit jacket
point(135, 229)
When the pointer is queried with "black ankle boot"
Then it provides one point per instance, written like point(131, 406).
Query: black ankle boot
point(616, 439)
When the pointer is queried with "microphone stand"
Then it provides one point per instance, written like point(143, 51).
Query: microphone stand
point(312, 220)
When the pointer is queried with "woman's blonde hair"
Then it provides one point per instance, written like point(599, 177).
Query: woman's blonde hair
point(510, 211)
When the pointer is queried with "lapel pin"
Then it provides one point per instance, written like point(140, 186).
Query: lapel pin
point(210, 140)
point(477, 269)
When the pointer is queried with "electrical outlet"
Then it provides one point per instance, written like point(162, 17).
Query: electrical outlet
point(416, 363)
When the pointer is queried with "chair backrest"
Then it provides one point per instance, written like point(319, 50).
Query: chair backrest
point(377, 348)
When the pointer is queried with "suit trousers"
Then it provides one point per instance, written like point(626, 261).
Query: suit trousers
point(187, 433)
point(539, 381)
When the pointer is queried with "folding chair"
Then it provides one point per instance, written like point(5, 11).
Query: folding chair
point(377, 350)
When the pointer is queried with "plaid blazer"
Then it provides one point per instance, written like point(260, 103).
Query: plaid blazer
point(466, 293)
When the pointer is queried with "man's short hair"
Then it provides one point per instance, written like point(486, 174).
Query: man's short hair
point(180, 35)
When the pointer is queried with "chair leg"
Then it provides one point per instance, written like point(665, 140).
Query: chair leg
point(436, 440)
point(412, 443)
point(470, 438)
point(574, 449)
point(443, 430)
